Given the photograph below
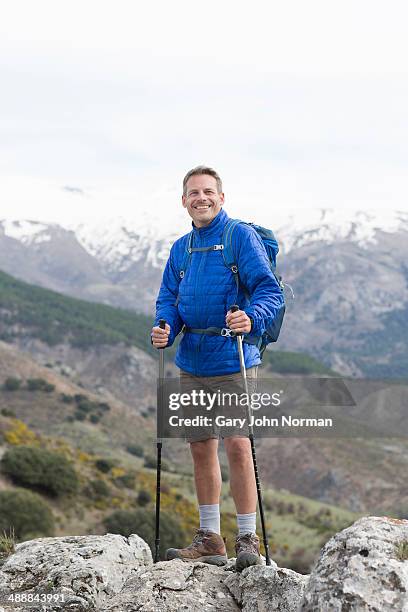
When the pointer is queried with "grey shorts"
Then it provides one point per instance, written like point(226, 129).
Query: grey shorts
point(226, 418)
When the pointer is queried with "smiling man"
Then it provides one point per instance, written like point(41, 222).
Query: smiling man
point(202, 198)
point(195, 295)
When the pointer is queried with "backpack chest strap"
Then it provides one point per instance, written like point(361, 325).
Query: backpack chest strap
point(214, 247)
point(226, 332)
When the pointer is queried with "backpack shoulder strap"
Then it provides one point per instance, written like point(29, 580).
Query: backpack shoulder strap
point(186, 256)
point(185, 262)
point(227, 252)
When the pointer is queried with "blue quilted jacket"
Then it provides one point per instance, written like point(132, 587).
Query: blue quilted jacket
point(206, 293)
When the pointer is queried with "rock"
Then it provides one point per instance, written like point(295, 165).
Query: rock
point(262, 589)
point(81, 572)
point(359, 570)
point(170, 586)
point(197, 587)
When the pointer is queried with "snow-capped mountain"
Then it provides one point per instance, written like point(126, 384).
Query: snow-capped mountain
point(118, 242)
point(328, 226)
point(348, 271)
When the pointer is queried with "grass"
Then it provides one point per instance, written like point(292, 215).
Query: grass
point(401, 551)
point(7, 545)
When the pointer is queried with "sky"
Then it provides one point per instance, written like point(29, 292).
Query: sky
point(104, 106)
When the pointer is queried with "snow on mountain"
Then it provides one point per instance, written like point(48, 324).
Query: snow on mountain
point(26, 231)
point(120, 242)
point(328, 225)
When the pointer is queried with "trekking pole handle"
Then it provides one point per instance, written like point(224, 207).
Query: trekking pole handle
point(234, 308)
point(162, 325)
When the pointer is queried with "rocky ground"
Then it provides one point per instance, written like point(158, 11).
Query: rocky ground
point(362, 568)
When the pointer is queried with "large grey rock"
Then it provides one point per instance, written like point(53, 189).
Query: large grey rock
point(267, 589)
point(358, 570)
point(198, 587)
point(84, 570)
point(176, 585)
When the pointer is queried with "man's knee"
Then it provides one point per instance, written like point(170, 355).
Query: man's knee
point(204, 450)
point(237, 449)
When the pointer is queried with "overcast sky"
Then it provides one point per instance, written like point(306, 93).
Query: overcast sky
point(105, 105)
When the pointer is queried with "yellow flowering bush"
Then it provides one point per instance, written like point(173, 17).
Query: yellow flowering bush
point(19, 434)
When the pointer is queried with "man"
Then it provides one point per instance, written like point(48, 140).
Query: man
point(199, 298)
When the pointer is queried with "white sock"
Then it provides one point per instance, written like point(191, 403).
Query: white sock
point(210, 517)
point(246, 523)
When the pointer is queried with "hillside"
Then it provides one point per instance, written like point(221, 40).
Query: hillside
point(49, 411)
point(120, 487)
point(54, 318)
point(28, 311)
point(123, 376)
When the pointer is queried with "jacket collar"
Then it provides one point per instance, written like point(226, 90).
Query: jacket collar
point(214, 227)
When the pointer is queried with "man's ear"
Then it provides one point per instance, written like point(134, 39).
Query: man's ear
point(183, 201)
point(222, 198)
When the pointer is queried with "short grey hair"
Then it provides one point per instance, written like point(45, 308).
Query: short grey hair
point(198, 170)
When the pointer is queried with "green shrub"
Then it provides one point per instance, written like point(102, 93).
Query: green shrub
point(97, 489)
point(25, 513)
point(39, 384)
point(127, 480)
point(224, 473)
point(144, 498)
point(142, 522)
point(135, 449)
point(79, 397)
point(85, 406)
point(67, 399)
point(105, 465)
point(103, 406)
point(12, 384)
point(7, 412)
point(40, 469)
point(151, 462)
point(79, 416)
point(94, 418)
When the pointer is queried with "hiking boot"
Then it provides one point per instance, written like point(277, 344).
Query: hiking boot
point(247, 551)
point(207, 546)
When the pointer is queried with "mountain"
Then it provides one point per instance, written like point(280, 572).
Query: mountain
point(348, 273)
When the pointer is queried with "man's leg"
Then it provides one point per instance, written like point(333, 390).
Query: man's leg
point(208, 545)
point(207, 476)
point(242, 476)
point(207, 472)
point(243, 489)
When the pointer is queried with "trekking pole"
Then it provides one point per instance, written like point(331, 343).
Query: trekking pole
point(234, 308)
point(162, 325)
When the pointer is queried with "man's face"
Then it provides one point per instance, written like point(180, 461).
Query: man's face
point(202, 200)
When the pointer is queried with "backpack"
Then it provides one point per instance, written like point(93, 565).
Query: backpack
point(271, 334)
point(270, 243)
